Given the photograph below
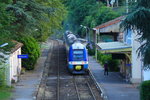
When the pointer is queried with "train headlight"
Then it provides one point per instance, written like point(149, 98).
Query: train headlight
point(71, 62)
point(74, 63)
point(84, 62)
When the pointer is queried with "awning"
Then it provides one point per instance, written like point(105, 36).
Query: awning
point(114, 47)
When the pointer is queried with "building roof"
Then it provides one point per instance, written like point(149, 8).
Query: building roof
point(113, 47)
point(17, 46)
point(111, 22)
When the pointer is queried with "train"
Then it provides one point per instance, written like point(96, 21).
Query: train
point(77, 54)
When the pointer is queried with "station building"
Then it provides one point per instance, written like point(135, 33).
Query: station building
point(12, 63)
point(109, 38)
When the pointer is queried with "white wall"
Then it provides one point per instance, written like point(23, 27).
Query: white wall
point(146, 75)
point(136, 61)
point(138, 72)
point(15, 65)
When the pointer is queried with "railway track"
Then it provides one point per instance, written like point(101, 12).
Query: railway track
point(84, 89)
point(58, 84)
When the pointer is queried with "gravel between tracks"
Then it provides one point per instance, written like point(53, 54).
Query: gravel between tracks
point(58, 84)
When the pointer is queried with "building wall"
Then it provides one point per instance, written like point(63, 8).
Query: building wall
point(136, 61)
point(15, 65)
point(111, 28)
point(127, 37)
point(138, 74)
point(146, 75)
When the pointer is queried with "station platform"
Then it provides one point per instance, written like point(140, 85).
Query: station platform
point(27, 87)
point(113, 86)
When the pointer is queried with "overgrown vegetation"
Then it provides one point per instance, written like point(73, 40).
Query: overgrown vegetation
point(2, 76)
point(5, 93)
point(89, 13)
point(31, 48)
point(139, 20)
point(144, 90)
point(102, 58)
point(34, 19)
point(112, 64)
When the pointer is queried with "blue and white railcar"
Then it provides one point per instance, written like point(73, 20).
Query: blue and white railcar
point(78, 58)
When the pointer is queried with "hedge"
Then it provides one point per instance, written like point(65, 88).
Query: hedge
point(30, 47)
point(2, 77)
point(112, 64)
point(145, 90)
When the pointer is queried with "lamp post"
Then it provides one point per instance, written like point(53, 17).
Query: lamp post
point(87, 32)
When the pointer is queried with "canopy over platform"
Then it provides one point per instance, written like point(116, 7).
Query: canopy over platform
point(114, 47)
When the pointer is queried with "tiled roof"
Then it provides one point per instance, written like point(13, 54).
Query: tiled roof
point(114, 21)
point(17, 46)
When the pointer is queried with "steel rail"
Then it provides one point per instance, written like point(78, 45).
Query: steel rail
point(90, 87)
point(91, 90)
point(77, 91)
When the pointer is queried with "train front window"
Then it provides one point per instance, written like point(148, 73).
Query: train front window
point(78, 55)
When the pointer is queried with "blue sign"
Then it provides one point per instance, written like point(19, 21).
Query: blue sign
point(23, 56)
point(129, 65)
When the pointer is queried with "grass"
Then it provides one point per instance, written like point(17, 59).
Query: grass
point(5, 93)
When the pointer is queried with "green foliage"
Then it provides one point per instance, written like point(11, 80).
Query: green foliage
point(99, 14)
point(112, 64)
point(5, 93)
point(91, 52)
point(144, 90)
point(2, 76)
point(139, 20)
point(102, 58)
point(6, 18)
point(34, 19)
point(78, 10)
point(88, 13)
point(31, 48)
point(28, 13)
point(37, 17)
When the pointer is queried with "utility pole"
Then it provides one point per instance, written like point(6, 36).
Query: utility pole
point(127, 6)
point(117, 3)
point(108, 3)
point(87, 32)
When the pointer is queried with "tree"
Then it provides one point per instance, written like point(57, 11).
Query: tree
point(88, 13)
point(78, 10)
point(37, 17)
point(28, 14)
point(139, 20)
point(99, 14)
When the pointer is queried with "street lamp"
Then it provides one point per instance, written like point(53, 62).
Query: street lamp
point(87, 32)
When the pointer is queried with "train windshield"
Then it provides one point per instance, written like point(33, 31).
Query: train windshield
point(78, 55)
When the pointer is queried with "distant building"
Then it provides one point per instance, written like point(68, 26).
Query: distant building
point(12, 63)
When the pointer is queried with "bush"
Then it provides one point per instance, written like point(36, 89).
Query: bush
point(145, 90)
point(31, 48)
point(2, 77)
point(102, 58)
point(112, 64)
